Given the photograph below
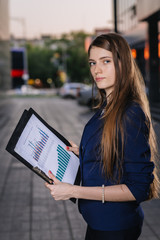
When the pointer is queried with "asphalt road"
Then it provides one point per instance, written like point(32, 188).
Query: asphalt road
point(27, 211)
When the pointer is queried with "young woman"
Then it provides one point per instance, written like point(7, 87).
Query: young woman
point(117, 151)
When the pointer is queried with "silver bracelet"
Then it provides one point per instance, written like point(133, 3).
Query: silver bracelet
point(103, 200)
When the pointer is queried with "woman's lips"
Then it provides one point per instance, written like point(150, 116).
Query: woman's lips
point(98, 79)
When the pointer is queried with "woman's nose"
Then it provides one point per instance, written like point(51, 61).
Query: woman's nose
point(97, 69)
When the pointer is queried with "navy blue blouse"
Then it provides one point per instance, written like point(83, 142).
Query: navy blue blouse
point(137, 172)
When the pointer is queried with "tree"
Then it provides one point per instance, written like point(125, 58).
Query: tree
point(68, 55)
point(77, 61)
point(77, 65)
point(40, 64)
point(72, 56)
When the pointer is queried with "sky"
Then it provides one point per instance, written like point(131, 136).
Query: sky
point(33, 18)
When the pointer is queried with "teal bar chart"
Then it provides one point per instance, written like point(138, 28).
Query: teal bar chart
point(63, 161)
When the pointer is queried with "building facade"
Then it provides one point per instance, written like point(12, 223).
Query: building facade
point(5, 79)
point(150, 13)
point(139, 22)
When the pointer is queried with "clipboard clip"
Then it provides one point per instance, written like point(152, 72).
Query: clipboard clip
point(42, 174)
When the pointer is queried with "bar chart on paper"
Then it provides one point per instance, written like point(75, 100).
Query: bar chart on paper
point(43, 149)
point(63, 161)
point(38, 146)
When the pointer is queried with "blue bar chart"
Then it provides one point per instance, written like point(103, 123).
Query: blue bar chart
point(38, 146)
point(63, 161)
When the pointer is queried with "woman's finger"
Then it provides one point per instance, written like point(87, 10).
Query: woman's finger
point(73, 149)
point(55, 180)
point(73, 144)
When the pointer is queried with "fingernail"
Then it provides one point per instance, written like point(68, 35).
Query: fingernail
point(67, 147)
point(50, 171)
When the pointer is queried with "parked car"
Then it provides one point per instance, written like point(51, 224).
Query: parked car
point(71, 90)
point(85, 97)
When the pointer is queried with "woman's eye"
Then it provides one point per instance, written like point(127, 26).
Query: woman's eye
point(91, 63)
point(106, 61)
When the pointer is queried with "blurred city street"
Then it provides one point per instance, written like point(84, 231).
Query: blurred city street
point(27, 211)
point(43, 58)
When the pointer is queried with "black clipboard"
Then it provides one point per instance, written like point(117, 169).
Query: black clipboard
point(24, 119)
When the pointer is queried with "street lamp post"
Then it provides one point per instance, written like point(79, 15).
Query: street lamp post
point(115, 16)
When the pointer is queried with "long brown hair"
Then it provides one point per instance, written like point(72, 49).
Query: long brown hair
point(129, 87)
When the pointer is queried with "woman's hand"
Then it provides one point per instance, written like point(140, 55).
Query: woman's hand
point(59, 190)
point(74, 148)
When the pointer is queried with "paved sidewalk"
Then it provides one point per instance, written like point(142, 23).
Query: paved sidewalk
point(27, 211)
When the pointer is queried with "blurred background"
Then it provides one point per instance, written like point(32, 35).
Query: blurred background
point(44, 44)
point(43, 65)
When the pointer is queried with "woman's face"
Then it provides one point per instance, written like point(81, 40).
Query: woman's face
point(102, 68)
